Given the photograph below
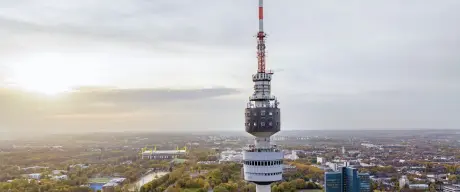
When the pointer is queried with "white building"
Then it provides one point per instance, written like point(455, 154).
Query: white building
point(320, 160)
point(60, 177)
point(451, 188)
point(418, 186)
point(403, 181)
point(163, 154)
point(333, 166)
point(82, 166)
point(58, 172)
point(231, 156)
point(291, 155)
point(35, 176)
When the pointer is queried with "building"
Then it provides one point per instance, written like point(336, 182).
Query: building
point(289, 168)
point(333, 166)
point(262, 161)
point(320, 160)
point(350, 179)
point(163, 154)
point(105, 184)
point(403, 181)
point(231, 156)
point(36, 176)
point(58, 172)
point(451, 188)
point(418, 186)
point(364, 182)
point(34, 168)
point(347, 180)
point(333, 181)
point(292, 155)
point(82, 166)
point(110, 186)
point(60, 177)
point(97, 183)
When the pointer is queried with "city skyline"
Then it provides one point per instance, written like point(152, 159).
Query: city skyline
point(165, 65)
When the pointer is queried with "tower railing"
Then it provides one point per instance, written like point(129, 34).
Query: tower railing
point(270, 105)
point(252, 148)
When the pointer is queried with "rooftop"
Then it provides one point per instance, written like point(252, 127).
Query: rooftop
point(164, 151)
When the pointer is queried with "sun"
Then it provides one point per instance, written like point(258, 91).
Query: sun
point(46, 89)
point(45, 80)
point(50, 76)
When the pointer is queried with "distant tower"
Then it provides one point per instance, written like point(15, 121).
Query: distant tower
point(343, 150)
point(263, 162)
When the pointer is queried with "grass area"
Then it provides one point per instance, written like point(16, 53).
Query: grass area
point(179, 161)
point(189, 190)
point(99, 180)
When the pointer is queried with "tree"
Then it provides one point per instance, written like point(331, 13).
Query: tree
point(311, 185)
point(300, 184)
point(173, 189)
point(220, 189)
point(374, 186)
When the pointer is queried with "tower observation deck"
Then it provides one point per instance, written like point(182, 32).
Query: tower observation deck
point(263, 161)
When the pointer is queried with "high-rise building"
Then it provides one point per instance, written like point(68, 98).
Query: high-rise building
point(333, 181)
point(364, 182)
point(347, 180)
point(263, 161)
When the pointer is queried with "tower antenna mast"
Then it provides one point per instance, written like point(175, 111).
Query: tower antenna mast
point(261, 40)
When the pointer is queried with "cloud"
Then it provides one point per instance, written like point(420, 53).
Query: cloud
point(380, 109)
point(147, 95)
point(341, 64)
point(18, 108)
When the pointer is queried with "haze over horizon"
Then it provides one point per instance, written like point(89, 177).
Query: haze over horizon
point(150, 65)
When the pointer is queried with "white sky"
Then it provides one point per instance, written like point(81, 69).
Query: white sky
point(343, 64)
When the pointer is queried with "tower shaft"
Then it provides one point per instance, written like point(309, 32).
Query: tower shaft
point(263, 161)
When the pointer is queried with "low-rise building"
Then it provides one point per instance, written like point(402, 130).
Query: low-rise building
point(288, 168)
point(231, 156)
point(60, 177)
point(320, 160)
point(35, 176)
point(163, 154)
point(451, 188)
point(105, 184)
point(58, 172)
point(418, 186)
point(110, 186)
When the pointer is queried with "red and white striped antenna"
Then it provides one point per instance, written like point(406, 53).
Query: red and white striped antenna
point(261, 40)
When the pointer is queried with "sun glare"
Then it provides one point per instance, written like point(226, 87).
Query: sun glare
point(50, 76)
point(45, 80)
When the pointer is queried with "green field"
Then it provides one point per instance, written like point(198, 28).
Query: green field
point(99, 180)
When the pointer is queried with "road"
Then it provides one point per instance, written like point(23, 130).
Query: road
point(145, 179)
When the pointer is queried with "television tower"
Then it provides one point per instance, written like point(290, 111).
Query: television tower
point(263, 162)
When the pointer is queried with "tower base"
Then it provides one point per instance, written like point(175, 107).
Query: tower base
point(263, 188)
